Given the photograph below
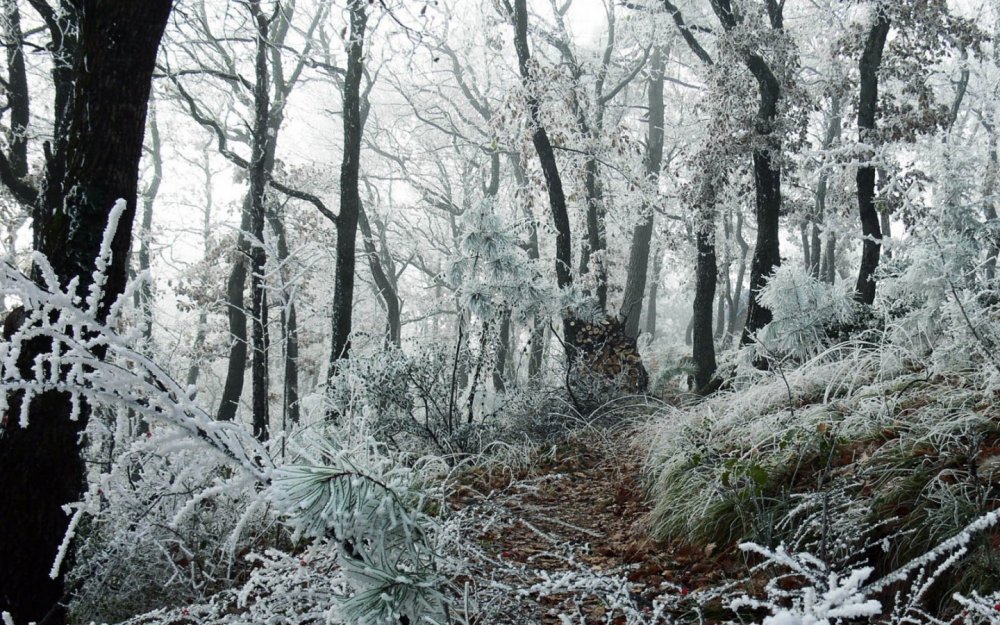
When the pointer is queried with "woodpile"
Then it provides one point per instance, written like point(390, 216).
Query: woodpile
point(608, 356)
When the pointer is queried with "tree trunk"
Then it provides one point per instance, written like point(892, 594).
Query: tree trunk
point(386, 289)
point(350, 198)
point(989, 205)
point(833, 129)
point(503, 348)
point(237, 318)
point(289, 328)
point(885, 224)
point(740, 310)
point(596, 238)
point(654, 291)
point(557, 199)
point(804, 238)
point(259, 173)
point(16, 91)
point(143, 298)
point(144, 295)
point(194, 370)
point(537, 338)
point(766, 168)
point(250, 252)
point(19, 105)
point(251, 256)
point(871, 59)
point(642, 234)
point(706, 275)
point(766, 255)
point(829, 269)
point(720, 316)
point(113, 60)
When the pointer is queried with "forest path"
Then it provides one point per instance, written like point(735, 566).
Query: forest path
point(567, 535)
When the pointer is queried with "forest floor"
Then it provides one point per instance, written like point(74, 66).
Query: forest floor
point(566, 539)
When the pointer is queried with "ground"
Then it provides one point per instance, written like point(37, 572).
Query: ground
point(567, 535)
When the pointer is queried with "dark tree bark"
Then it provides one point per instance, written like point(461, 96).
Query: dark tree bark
point(706, 274)
point(236, 315)
point(766, 168)
point(111, 64)
point(350, 198)
point(261, 165)
point(289, 327)
point(557, 199)
point(642, 234)
point(16, 90)
point(383, 283)
point(19, 106)
point(766, 256)
point(654, 290)
point(871, 59)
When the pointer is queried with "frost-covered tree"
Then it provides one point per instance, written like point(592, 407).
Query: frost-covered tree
point(103, 56)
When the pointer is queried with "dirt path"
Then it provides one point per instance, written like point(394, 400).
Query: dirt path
point(568, 536)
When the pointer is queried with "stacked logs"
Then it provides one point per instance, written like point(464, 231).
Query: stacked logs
point(606, 354)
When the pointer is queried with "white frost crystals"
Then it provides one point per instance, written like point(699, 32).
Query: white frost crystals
point(376, 508)
point(92, 362)
point(828, 597)
point(802, 308)
point(374, 504)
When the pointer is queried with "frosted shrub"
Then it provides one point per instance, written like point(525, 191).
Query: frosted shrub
point(825, 596)
point(803, 309)
point(376, 509)
point(491, 272)
point(166, 525)
point(159, 508)
point(379, 380)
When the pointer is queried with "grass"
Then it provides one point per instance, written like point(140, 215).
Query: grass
point(866, 453)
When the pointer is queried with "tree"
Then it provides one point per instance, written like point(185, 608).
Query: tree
point(589, 108)
point(706, 277)
point(871, 58)
point(350, 196)
point(547, 158)
point(19, 105)
point(766, 161)
point(642, 234)
point(266, 96)
point(103, 54)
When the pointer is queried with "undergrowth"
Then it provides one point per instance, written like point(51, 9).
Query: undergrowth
point(867, 454)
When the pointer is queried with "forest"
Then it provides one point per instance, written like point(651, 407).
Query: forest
point(388, 312)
